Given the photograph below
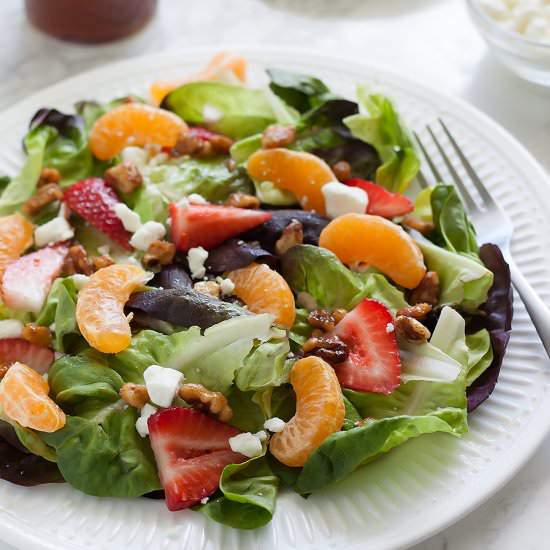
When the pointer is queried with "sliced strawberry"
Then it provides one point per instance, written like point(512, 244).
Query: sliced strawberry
point(209, 225)
point(191, 451)
point(27, 281)
point(381, 201)
point(16, 349)
point(373, 363)
point(94, 201)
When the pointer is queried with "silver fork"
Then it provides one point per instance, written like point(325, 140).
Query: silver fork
point(492, 225)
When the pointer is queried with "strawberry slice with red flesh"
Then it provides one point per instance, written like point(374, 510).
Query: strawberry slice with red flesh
point(14, 350)
point(191, 451)
point(94, 201)
point(209, 225)
point(27, 280)
point(373, 364)
point(381, 201)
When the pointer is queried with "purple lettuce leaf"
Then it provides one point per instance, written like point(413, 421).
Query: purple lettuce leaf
point(173, 276)
point(236, 253)
point(497, 320)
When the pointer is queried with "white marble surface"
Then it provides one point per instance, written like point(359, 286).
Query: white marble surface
point(430, 40)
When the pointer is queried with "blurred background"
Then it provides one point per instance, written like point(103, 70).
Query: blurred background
point(432, 41)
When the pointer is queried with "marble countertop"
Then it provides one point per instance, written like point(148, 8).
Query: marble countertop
point(429, 40)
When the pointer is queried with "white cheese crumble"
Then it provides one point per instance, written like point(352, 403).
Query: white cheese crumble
point(261, 435)
point(196, 258)
point(227, 286)
point(130, 219)
point(247, 444)
point(530, 18)
point(147, 234)
point(390, 327)
point(141, 423)
point(135, 155)
point(204, 500)
point(162, 384)
point(53, 231)
point(195, 198)
point(342, 199)
point(274, 424)
point(10, 328)
point(80, 280)
point(104, 250)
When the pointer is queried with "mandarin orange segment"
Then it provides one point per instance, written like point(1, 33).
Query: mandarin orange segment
point(100, 306)
point(24, 398)
point(377, 242)
point(224, 66)
point(319, 412)
point(15, 237)
point(302, 173)
point(134, 124)
point(263, 290)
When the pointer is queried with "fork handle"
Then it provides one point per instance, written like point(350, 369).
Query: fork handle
point(537, 309)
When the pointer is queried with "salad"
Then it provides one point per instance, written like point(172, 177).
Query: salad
point(221, 291)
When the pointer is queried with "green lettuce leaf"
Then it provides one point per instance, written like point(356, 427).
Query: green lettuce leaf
point(248, 415)
point(249, 494)
point(480, 354)
point(464, 281)
point(382, 128)
point(243, 111)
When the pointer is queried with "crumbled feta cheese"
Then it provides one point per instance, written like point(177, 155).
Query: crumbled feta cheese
point(104, 250)
point(261, 435)
point(274, 424)
point(52, 327)
point(130, 219)
point(10, 328)
point(227, 286)
point(80, 280)
point(162, 384)
point(342, 199)
point(247, 444)
point(135, 155)
point(53, 231)
point(146, 234)
point(195, 198)
point(141, 423)
point(390, 327)
point(196, 258)
point(304, 299)
point(182, 203)
point(204, 500)
point(210, 113)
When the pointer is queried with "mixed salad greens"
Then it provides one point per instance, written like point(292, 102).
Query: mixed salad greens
point(232, 291)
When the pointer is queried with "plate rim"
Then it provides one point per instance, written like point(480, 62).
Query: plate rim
point(533, 434)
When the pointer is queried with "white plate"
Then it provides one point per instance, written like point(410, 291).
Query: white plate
point(415, 490)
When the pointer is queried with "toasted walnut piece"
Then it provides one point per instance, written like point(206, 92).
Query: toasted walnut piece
point(159, 253)
point(317, 332)
point(212, 402)
point(210, 288)
point(242, 200)
point(44, 195)
point(220, 144)
point(48, 175)
point(411, 330)
point(230, 164)
point(427, 291)
point(418, 311)
point(136, 395)
point(37, 334)
point(202, 146)
point(77, 261)
point(292, 235)
point(320, 318)
point(342, 170)
point(419, 225)
point(124, 177)
point(99, 262)
point(329, 348)
point(278, 136)
point(339, 314)
point(3, 370)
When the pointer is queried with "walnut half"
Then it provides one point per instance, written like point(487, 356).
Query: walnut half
point(212, 402)
point(411, 330)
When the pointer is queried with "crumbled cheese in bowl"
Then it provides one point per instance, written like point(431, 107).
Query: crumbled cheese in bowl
point(247, 444)
point(162, 384)
point(530, 18)
point(196, 258)
point(146, 234)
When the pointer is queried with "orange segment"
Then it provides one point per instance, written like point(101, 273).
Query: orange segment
point(302, 173)
point(319, 412)
point(100, 306)
point(134, 124)
point(263, 290)
point(15, 238)
point(377, 242)
point(24, 398)
point(225, 66)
